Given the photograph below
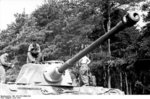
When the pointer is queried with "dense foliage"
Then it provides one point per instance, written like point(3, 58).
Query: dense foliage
point(63, 28)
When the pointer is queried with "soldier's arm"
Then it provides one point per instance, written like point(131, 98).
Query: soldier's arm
point(30, 47)
point(30, 57)
point(4, 62)
point(79, 62)
point(88, 60)
point(39, 49)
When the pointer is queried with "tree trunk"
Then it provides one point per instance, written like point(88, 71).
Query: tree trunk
point(126, 82)
point(109, 27)
point(109, 79)
point(109, 50)
point(130, 89)
point(105, 77)
point(121, 80)
point(101, 50)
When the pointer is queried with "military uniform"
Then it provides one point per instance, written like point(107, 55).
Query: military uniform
point(3, 62)
point(34, 53)
point(84, 71)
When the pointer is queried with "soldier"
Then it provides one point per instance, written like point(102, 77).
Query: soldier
point(4, 63)
point(84, 71)
point(34, 52)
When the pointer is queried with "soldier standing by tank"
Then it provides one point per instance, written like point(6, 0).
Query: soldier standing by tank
point(34, 52)
point(4, 63)
point(84, 71)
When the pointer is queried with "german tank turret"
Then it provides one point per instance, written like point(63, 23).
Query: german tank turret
point(53, 76)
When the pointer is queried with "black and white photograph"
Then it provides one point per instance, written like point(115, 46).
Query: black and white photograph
point(74, 47)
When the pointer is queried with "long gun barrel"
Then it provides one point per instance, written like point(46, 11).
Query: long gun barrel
point(128, 20)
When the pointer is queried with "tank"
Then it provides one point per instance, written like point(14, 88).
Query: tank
point(53, 77)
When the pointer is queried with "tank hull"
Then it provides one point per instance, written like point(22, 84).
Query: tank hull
point(29, 90)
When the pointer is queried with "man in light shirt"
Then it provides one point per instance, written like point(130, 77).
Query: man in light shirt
point(34, 52)
point(4, 62)
point(84, 71)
